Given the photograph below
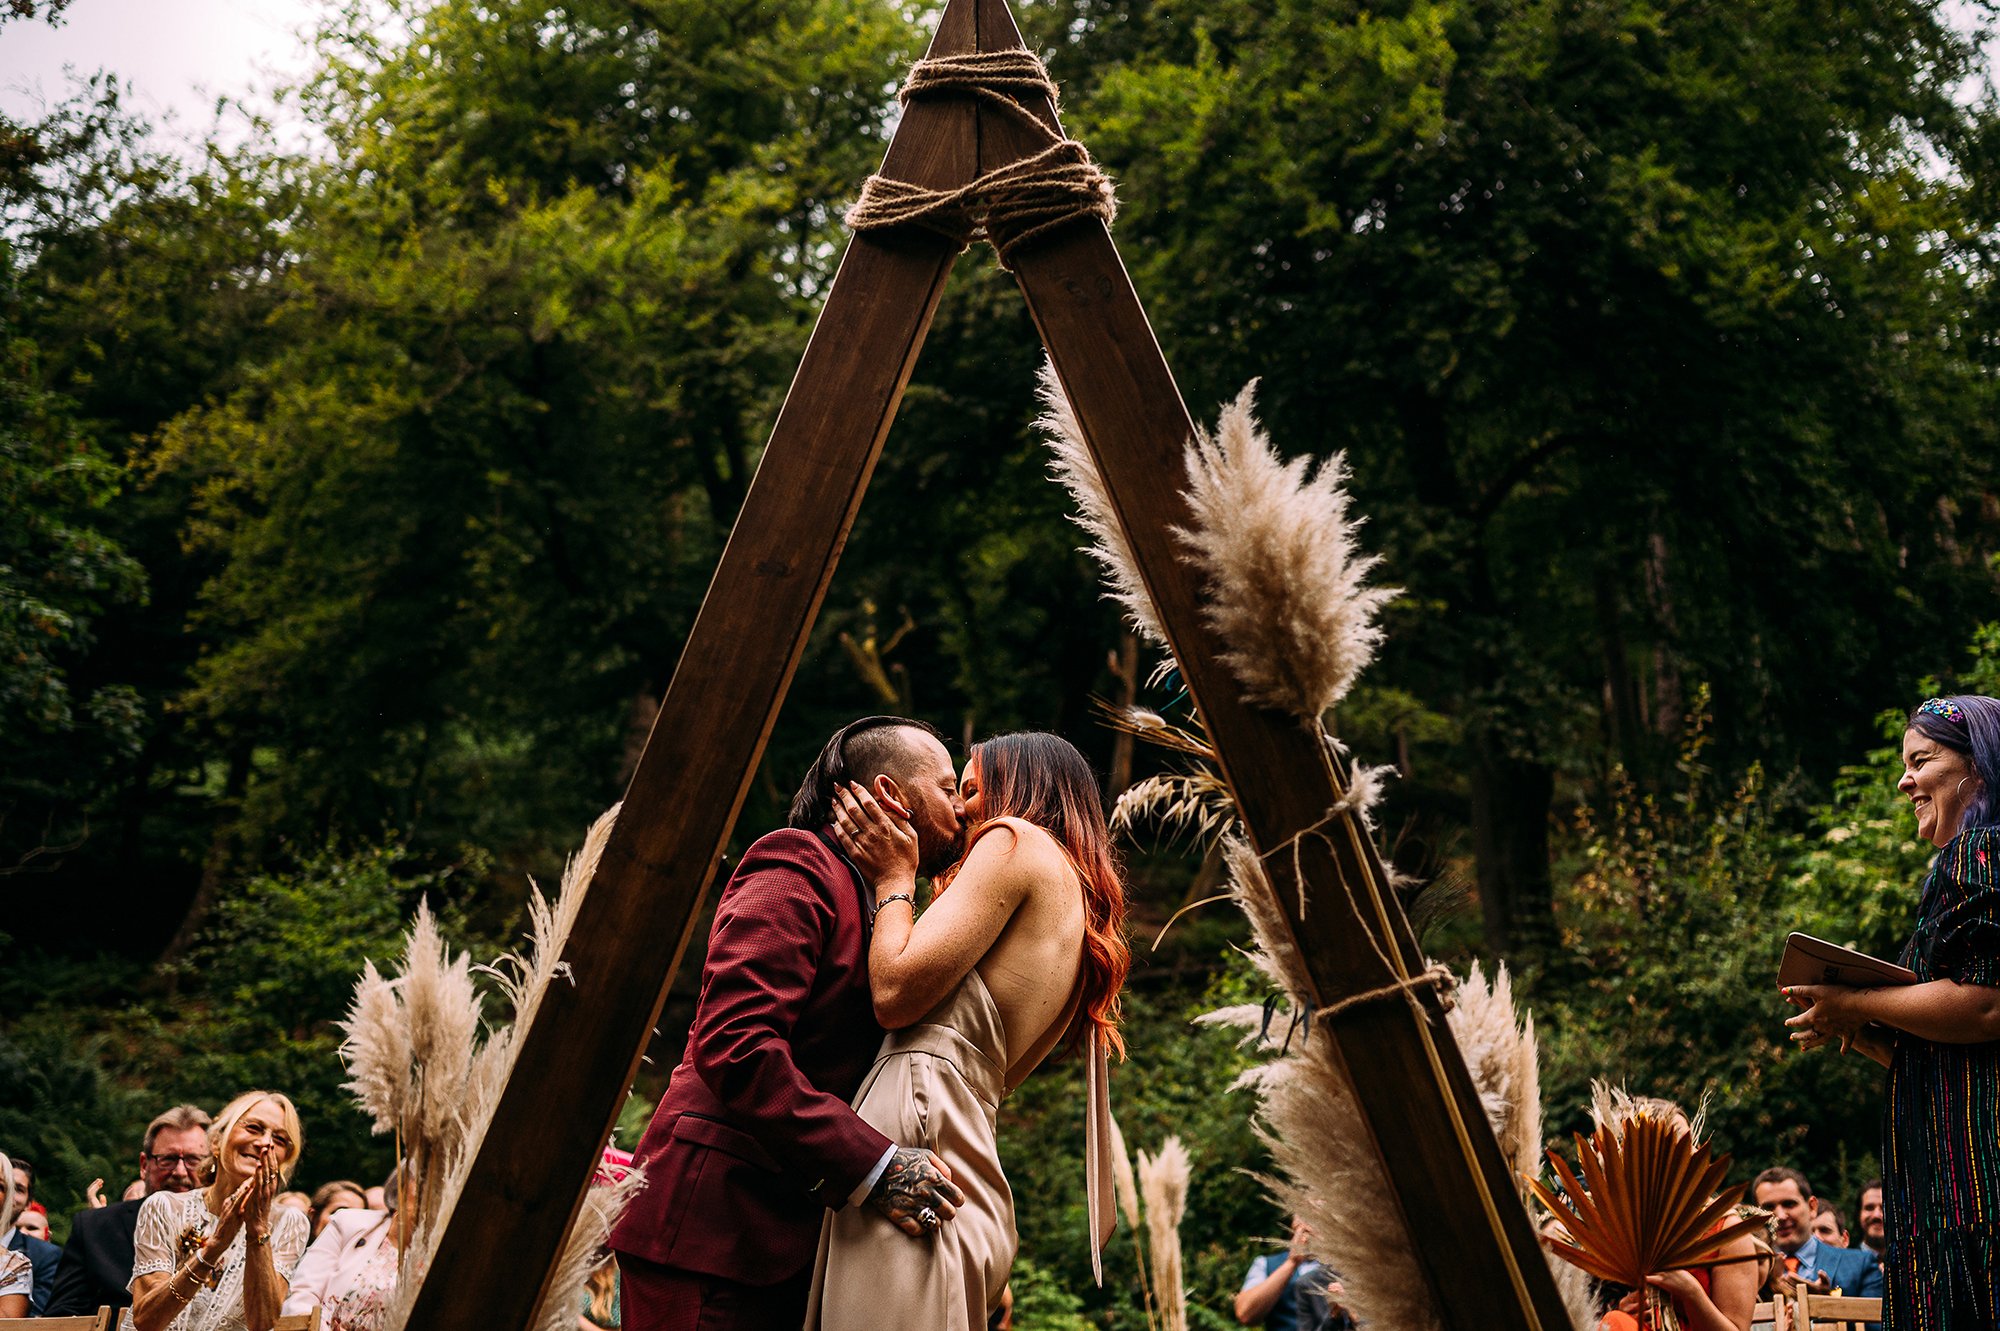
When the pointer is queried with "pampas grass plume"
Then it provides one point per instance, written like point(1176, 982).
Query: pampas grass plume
point(1163, 1181)
point(1122, 1180)
point(1287, 586)
point(425, 1024)
point(376, 1051)
point(1501, 1056)
point(1071, 463)
point(582, 1251)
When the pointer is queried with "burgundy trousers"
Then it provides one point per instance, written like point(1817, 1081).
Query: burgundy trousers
point(665, 1298)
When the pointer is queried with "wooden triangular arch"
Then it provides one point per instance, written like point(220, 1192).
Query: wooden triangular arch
point(1475, 1244)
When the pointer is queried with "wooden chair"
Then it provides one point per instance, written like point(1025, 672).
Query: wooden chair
point(101, 1320)
point(295, 1321)
point(1774, 1313)
point(1836, 1312)
point(1807, 1311)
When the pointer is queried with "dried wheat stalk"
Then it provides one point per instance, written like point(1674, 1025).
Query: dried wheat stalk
point(1163, 1181)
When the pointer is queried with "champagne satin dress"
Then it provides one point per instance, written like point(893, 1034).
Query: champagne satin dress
point(937, 1085)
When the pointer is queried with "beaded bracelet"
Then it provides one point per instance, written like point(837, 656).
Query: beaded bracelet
point(893, 896)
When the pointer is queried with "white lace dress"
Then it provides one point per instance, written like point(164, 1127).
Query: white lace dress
point(17, 1274)
point(157, 1247)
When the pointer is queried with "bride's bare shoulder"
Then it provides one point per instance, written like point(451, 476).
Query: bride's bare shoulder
point(1020, 841)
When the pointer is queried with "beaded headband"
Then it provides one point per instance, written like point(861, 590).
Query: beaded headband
point(1945, 708)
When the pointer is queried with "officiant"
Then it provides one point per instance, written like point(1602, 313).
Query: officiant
point(1939, 1037)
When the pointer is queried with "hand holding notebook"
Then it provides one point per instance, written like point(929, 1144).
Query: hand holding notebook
point(1810, 960)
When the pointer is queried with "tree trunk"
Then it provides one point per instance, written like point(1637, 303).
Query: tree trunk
point(1511, 798)
point(1124, 664)
point(1628, 726)
point(216, 864)
point(1668, 711)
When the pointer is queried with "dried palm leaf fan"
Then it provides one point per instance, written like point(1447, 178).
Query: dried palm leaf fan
point(1649, 1200)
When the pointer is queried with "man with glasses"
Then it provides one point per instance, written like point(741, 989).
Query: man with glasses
point(97, 1262)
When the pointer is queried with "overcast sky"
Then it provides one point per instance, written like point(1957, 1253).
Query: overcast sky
point(178, 55)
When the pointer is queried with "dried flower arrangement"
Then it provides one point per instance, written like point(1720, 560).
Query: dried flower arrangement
point(418, 1068)
point(1646, 1196)
point(1275, 544)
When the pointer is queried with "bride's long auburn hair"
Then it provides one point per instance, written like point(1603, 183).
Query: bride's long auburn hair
point(1041, 778)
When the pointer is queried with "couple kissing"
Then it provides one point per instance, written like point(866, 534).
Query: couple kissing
point(825, 1153)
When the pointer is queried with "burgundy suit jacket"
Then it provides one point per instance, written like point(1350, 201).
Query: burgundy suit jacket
point(754, 1139)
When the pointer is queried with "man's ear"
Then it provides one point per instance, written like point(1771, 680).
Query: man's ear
point(890, 796)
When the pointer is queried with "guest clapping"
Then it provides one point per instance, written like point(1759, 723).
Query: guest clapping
point(1939, 1037)
point(221, 1258)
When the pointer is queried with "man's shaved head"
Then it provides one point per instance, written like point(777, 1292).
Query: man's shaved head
point(859, 751)
point(905, 764)
point(891, 751)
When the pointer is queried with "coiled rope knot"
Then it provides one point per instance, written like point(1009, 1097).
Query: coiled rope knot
point(1013, 204)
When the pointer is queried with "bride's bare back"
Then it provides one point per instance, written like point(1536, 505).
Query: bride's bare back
point(1031, 969)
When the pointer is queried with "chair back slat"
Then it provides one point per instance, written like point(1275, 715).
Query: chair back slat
point(97, 1321)
point(1834, 1312)
point(297, 1321)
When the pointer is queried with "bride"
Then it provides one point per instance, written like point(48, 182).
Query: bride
point(1021, 950)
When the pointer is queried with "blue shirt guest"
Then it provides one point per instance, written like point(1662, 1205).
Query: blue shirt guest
point(1292, 1291)
point(1789, 1198)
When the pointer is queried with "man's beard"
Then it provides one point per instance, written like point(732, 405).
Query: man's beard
point(939, 852)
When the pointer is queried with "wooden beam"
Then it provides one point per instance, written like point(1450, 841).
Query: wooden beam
point(583, 1048)
point(1472, 1235)
point(580, 1055)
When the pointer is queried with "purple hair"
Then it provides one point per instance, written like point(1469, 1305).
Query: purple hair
point(1975, 732)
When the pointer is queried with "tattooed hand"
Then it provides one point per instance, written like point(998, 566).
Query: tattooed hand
point(915, 1179)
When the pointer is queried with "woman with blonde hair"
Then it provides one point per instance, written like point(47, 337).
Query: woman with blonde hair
point(220, 1258)
point(17, 1274)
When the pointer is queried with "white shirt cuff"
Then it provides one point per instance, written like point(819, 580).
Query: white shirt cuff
point(860, 1194)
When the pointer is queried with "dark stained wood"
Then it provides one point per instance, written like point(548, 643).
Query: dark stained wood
point(1484, 1266)
point(583, 1050)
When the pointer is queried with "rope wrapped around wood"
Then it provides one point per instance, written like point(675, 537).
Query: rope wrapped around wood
point(1012, 205)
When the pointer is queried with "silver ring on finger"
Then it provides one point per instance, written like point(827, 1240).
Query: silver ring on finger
point(928, 1218)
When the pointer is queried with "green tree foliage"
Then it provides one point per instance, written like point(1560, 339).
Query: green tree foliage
point(464, 506)
point(69, 729)
point(1649, 326)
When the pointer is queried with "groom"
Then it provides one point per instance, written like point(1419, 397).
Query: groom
point(753, 1140)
